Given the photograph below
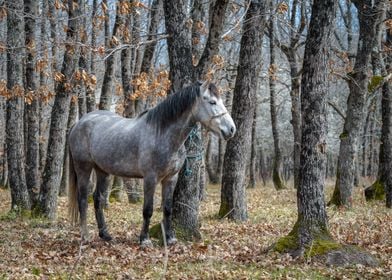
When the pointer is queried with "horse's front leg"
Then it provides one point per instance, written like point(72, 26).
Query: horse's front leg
point(168, 185)
point(148, 208)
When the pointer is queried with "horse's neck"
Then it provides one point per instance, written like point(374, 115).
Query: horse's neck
point(179, 131)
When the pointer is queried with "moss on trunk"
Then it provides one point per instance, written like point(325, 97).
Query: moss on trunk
point(322, 247)
point(182, 234)
point(375, 191)
point(321, 243)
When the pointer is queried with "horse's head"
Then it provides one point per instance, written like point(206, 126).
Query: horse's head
point(212, 113)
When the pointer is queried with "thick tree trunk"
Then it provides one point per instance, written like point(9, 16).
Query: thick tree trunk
point(368, 13)
point(277, 165)
point(52, 173)
point(187, 192)
point(310, 235)
point(186, 195)
point(32, 106)
point(15, 106)
point(312, 217)
point(233, 197)
point(382, 188)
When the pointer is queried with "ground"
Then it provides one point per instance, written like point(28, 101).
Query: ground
point(36, 249)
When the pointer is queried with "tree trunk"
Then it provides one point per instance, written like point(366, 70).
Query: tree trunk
point(277, 165)
point(295, 94)
point(52, 173)
point(80, 84)
point(117, 187)
point(253, 156)
point(368, 13)
point(90, 91)
point(233, 197)
point(186, 194)
point(311, 226)
point(155, 16)
point(382, 188)
point(54, 36)
point(187, 191)
point(65, 171)
point(105, 101)
point(15, 106)
point(32, 106)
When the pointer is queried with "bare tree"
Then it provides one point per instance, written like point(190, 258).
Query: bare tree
point(15, 106)
point(277, 165)
point(369, 15)
point(233, 197)
point(32, 106)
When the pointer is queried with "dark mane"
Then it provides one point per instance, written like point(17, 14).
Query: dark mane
point(173, 106)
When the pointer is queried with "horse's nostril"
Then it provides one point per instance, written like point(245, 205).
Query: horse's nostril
point(232, 130)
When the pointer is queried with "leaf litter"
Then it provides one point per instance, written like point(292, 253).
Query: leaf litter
point(36, 249)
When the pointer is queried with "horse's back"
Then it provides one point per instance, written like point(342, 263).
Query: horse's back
point(106, 140)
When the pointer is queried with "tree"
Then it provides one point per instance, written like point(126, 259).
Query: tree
point(32, 106)
point(182, 73)
point(292, 51)
point(382, 187)
point(233, 197)
point(47, 203)
point(105, 101)
point(310, 235)
point(276, 176)
point(368, 14)
point(15, 106)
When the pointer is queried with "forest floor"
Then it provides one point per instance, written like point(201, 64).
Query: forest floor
point(37, 249)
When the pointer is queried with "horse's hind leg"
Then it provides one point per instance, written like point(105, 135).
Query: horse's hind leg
point(83, 172)
point(103, 180)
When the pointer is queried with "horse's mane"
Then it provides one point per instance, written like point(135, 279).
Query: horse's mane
point(173, 106)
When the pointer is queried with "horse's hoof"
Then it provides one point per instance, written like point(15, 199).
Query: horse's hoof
point(146, 243)
point(171, 241)
point(105, 236)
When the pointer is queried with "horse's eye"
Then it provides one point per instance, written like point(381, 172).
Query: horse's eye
point(213, 102)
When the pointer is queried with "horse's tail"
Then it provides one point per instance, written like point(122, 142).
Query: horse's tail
point(73, 205)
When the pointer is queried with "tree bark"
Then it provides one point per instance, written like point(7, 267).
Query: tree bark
point(105, 101)
point(32, 106)
point(15, 106)
point(368, 13)
point(152, 30)
point(47, 204)
point(90, 91)
point(233, 197)
point(277, 165)
point(253, 156)
point(73, 112)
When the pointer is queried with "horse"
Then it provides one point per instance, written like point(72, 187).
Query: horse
point(150, 146)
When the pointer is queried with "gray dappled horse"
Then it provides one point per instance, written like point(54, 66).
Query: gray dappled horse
point(150, 146)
